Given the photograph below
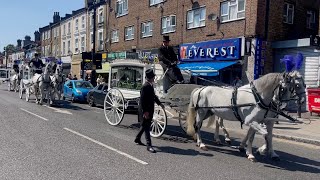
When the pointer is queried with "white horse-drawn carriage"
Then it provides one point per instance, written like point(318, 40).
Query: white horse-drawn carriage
point(255, 103)
point(5, 75)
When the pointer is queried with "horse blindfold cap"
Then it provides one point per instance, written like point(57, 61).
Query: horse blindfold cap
point(150, 74)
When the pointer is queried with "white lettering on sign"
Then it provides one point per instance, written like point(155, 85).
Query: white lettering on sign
point(212, 52)
point(317, 100)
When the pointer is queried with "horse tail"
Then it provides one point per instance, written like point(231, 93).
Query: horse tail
point(191, 117)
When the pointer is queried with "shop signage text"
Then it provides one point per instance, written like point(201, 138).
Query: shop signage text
point(229, 49)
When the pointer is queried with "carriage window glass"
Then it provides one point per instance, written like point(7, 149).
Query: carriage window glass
point(83, 84)
point(3, 74)
point(127, 77)
point(100, 87)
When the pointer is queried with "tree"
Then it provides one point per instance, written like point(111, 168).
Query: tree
point(10, 48)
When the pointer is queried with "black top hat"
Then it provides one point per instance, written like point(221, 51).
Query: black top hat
point(166, 39)
point(36, 54)
point(150, 74)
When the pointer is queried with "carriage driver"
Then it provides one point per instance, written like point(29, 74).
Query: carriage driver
point(168, 59)
point(37, 63)
point(146, 109)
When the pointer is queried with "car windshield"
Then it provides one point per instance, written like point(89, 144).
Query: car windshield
point(83, 84)
point(127, 77)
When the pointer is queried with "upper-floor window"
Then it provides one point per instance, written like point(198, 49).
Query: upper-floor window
point(100, 16)
point(76, 45)
point(43, 37)
point(154, 2)
point(64, 29)
point(311, 19)
point(146, 29)
point(169, 24)
point(91, 20)
point(69, 28)
point(64, 48)
point(100, 36)
point(196, 18)
point(232, 10)
point(83, 22)
point(77, 24)
point(122, 7)
point(129, 33)
point(288, 13)
point(114, 36)
point(69, 47)
point(49, 34)
point(82, 43)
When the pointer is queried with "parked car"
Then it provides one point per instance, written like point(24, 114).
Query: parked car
point(76, 90)
point(97, 95)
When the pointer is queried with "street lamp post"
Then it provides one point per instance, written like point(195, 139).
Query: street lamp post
point(93, 78)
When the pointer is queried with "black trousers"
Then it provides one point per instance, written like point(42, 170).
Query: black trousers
point(145, 128)
point(173, 72)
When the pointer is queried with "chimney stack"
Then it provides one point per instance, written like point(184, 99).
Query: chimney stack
point(56, 17)
point(19, 43)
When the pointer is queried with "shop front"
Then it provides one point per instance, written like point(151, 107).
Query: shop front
point(76, 65)
point(104, 72)
point(212, 60)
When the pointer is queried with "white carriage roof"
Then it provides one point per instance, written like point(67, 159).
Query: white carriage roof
point(129, 62)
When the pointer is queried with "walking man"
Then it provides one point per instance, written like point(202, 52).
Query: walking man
point(146, 109)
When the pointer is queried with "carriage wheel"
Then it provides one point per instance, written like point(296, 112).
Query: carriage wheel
point(114, 106)
point(159, 122)
point(183, 122)
point(27, 94)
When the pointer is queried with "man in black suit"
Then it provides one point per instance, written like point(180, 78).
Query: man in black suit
point(37, 63)
point(146, 109)
point(168, 60)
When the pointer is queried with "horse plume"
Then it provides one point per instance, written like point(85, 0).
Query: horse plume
point(288, 60)
point(298, 61)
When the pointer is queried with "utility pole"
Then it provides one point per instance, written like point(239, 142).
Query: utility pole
point(6, 56)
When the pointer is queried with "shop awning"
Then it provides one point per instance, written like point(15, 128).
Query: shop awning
point(206, 68)
point(105, 68)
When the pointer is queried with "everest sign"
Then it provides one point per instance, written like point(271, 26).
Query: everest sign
point(228, 49)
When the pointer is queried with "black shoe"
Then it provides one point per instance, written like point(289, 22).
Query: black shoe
point(150, 149)
point(138, 142)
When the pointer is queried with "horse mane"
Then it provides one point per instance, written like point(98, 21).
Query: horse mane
point(263, 83)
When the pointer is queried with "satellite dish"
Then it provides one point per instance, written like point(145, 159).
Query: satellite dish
point(212, 17)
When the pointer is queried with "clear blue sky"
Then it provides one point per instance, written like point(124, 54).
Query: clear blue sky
point(24, 17)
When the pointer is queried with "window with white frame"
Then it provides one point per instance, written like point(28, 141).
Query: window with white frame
point(311, 19)
point(114, 36)
point(100, 16)
point(54, 50)
point(232, 10)
point(91, 37)
point(82, 43)
point(196, 18)
point(155, 2)
point(64, 48)
point(49, 34)
point(100, 36)
point(64, 29)
point(69, 47)
point(77, 24)
point(76, 45)
point(83, 22)
point(129, 33)
point(69, 28)
point(122, 7)
point(146, 29)
point(169, 24)
point(57, 29)
point(91, 20)
point(288, 13)
point(43, 36)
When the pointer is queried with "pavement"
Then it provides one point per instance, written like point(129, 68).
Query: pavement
point(74, 141)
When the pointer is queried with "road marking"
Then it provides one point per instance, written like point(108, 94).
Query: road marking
point(106, 146)
point(34, 114)
point(59, 110)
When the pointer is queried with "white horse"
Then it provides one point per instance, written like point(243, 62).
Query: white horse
point(57, 80)
point(249, 104)
point(40, 83)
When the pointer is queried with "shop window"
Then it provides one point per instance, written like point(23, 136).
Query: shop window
point(288, 13)
point(196, 18)
point(146, 29)
point(168, 24)
point(122, 7)
point(155, 2)
point(232, 10)
point(311, 19)
point(114, 36)
point(129, 33)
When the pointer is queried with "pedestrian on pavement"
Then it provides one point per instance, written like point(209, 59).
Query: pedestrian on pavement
point(146, 109)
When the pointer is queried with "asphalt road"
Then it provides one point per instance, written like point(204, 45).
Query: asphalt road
point(74, 141)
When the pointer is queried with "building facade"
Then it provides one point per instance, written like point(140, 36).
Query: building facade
point(45, 41)
point(55, 36)
point(66, 32)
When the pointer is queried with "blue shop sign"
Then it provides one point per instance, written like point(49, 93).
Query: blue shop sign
point(228, 49)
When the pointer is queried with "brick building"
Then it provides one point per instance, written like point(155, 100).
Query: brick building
point(139, 27)
point(55, 36)
point(45, 41)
